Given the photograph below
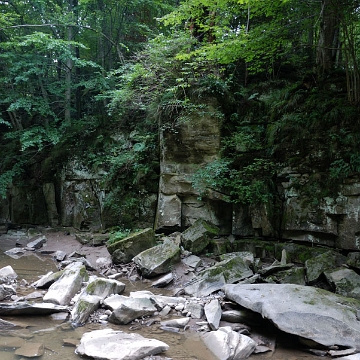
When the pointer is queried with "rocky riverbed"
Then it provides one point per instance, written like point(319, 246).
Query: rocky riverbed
point(224, 301)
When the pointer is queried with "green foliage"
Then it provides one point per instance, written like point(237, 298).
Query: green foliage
point(7, 178)
point(118, 235)
point(249, 184)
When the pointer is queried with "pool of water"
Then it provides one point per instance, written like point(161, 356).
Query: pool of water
point(54, 333)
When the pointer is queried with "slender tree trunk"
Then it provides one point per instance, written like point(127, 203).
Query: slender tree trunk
point(69, 66)
point(329, 29)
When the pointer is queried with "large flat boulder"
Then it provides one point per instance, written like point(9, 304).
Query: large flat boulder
point(29, 308)
point(158, 259)
point(309, 312)
point(123, 250)
point(126, 309)
point(108, 344)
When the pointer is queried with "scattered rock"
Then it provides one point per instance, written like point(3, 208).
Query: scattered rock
point(59, 255)
point(90, 298)
point(317, 265)
point(214, 278)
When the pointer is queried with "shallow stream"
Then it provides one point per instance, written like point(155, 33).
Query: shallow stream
point(55, 333)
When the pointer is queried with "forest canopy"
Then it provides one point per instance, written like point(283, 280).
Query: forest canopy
point(73, 72)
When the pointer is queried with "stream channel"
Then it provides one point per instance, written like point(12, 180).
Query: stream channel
point(53, 333)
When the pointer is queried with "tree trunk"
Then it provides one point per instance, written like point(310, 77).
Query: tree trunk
point(329, 29)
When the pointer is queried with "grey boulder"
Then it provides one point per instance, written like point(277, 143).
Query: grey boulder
point(311, 313)
point(227, 344)
point(108, 344)
point(63, 290)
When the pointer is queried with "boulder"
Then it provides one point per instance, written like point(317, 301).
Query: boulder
point(123, 250)
point(160, 301)
point(108, 344)
point(197, 237)
point(168, 214)
point(179, 323)
point(63, 290)
point(29, 308)
point(311, 313)
point(243, 316)
point(194, 309)
point(7, 274)
point(104, 287)
point(353, 260)
point(163, 280)
point(192, 261)
point(127, 309)
point(215, 277)
point(48, 279)
point(213, 313)
point(345, 282)
point(227, 344)
point(90, 298)
point(158, 259)
point(83, 308)
point(317, 265)
point(295, 275)
point(36, 242)
point(59, 255)
point(6, 291)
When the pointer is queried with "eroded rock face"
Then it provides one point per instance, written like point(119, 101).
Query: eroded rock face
point(308, 312)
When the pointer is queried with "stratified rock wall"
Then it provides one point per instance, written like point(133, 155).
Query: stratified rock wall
point(185, 149)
